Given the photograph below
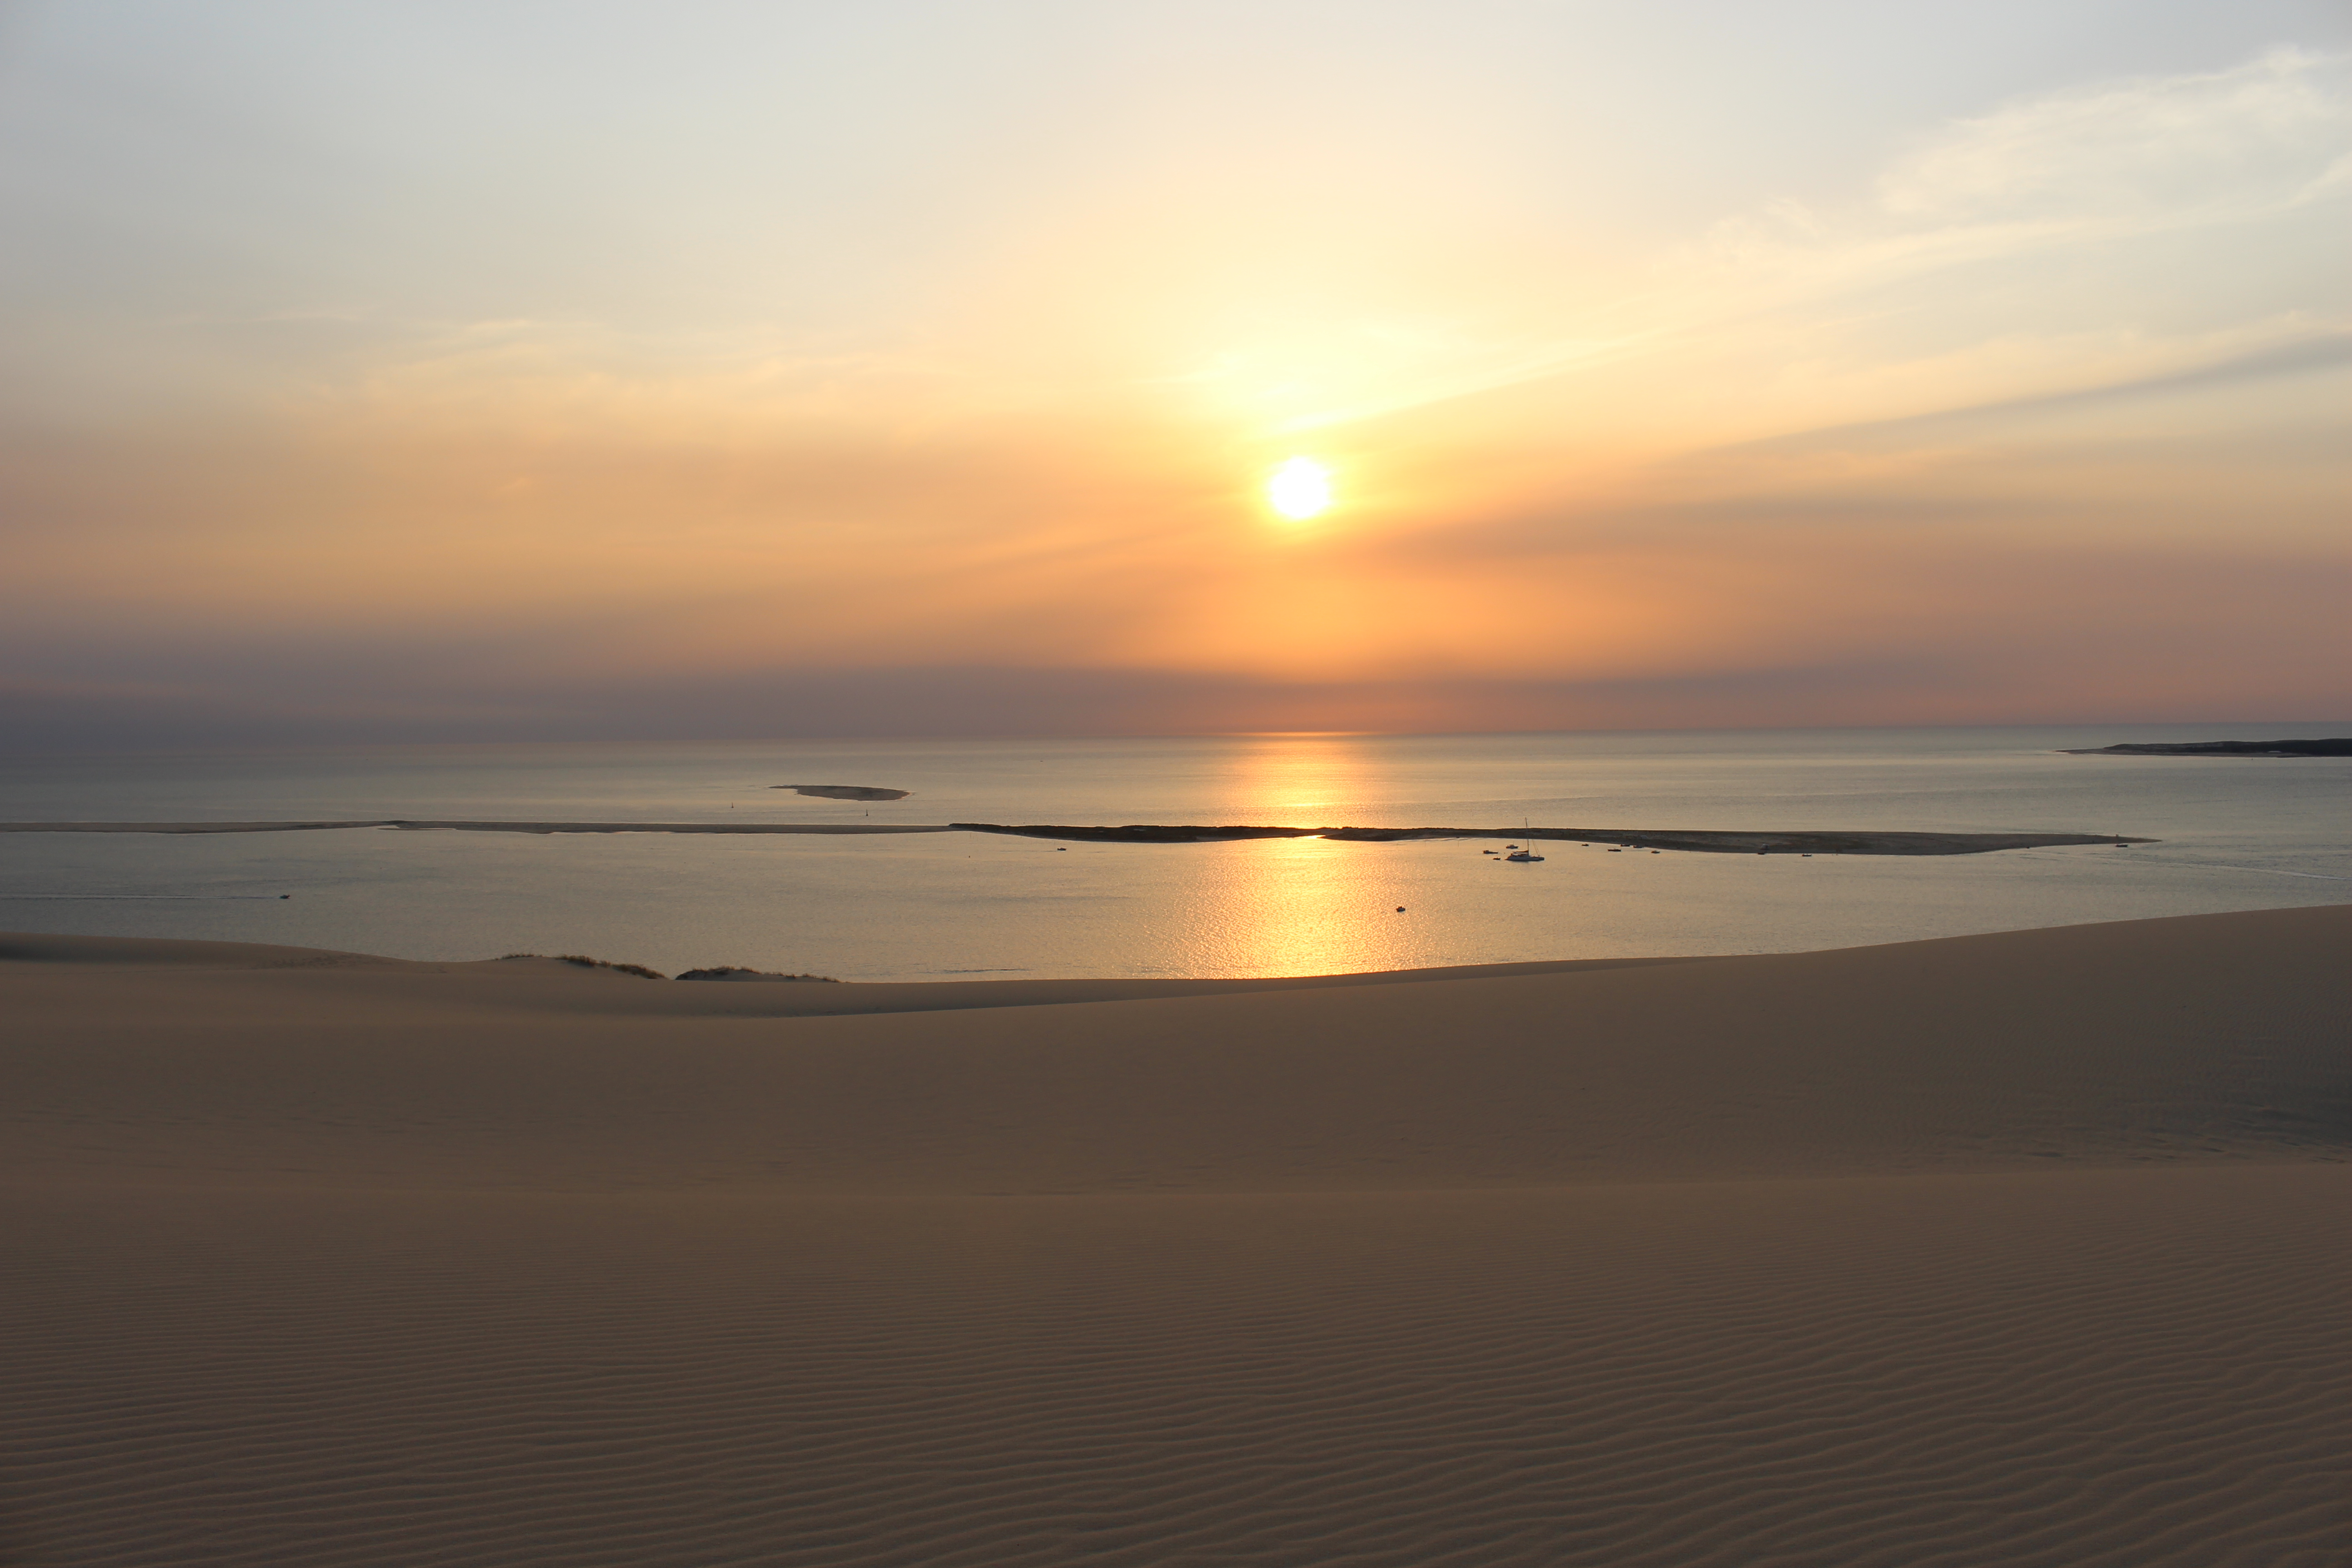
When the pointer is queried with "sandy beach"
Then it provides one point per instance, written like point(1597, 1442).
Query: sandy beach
point(2023, 1248)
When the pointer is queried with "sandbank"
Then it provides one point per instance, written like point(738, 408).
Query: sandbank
point(1709, 841)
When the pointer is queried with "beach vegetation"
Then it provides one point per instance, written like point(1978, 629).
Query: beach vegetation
point(582, 961)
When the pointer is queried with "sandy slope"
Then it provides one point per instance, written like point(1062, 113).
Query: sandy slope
point(2021, 1248)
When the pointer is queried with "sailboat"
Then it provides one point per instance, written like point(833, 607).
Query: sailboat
point(1524, 855)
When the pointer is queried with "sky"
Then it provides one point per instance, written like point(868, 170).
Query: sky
point(389, 370)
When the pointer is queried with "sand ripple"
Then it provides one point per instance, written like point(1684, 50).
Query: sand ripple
point(2141, 1368)
point(2017, 1250)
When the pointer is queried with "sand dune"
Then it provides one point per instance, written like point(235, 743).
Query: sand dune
point(2022, 1249)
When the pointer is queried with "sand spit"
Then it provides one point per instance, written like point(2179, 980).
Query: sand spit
point(2023, 1248)
point(1704, 840)
point(1708, 841)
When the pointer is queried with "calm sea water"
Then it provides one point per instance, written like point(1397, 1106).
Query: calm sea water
point(2250, 833)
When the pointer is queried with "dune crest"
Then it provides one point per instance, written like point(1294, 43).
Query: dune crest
point(2212, 1036)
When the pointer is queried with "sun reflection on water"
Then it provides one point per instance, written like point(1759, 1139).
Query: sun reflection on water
point(1303, 906)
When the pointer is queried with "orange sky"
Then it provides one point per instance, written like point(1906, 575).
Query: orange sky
point(447, 371)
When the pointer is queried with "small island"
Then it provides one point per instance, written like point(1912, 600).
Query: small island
point(2338, 748)
point(846, 792)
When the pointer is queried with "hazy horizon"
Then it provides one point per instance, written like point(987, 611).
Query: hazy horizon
point(437, 372)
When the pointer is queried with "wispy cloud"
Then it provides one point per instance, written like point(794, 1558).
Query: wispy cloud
point(2204, 147)
point(2086, 167)
point(2296, 356)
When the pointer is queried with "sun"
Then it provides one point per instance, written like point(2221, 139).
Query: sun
point(1299, 488)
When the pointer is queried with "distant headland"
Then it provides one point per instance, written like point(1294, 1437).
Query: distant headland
point(2340, 748)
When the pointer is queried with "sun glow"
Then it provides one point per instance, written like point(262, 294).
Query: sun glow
point(1299, 488)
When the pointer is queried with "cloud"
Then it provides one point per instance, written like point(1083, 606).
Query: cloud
point(2070, 169)
point(2297, 356)
point(2080, 170)
point(2159, 150)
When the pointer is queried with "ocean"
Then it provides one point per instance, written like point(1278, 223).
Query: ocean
point(2236, 834)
